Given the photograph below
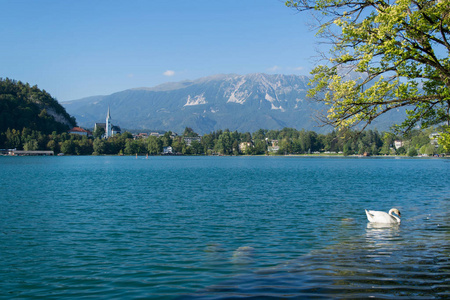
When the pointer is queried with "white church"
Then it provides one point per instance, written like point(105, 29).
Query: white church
point(110, 129)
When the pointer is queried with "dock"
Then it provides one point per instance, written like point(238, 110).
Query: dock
point(30, 153)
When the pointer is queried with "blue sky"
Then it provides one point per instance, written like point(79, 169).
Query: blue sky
point(75, 49)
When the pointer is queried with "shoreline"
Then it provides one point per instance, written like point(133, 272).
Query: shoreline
point(328, 155)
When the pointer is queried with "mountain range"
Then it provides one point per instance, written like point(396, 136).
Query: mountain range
point(235, 102)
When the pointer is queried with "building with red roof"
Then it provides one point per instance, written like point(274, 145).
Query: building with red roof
point(80, 131)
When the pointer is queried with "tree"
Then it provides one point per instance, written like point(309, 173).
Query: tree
point(189, 132)
point(346, 149)
point(99, 132)
point(31, 145)
point(260, 134)
point(399, 51)
point(99, 146)
point(132, 147)
point(444, 139)
point(224, 144)
point(84, 146)
point(167, 139)
point(401, 150)
point(196, 147)
point(285, 146)
point(13, 140)
point(208, 142)
point(154, 145)
point(259, 148)
point(412, 151)
point(53, 145)
point(68, 147)
point(428, 149)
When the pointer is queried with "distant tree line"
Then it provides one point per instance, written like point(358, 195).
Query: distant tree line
point(225, 142)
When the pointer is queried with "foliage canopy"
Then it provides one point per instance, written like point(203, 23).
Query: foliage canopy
point(399, 52)
point(25, 106)
point(285, 141)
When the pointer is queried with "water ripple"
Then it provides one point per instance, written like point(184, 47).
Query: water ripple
point(222, 228)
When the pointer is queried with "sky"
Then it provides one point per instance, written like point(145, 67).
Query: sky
point(78, 48)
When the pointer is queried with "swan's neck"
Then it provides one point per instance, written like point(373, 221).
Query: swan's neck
point(395, 217)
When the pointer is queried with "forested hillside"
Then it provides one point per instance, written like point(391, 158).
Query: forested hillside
point(24, 106)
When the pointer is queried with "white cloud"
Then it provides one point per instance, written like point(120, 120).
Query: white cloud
point(274, 69)
point(299, 69)
point(169, 73)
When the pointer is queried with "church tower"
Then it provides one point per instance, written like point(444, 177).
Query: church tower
point(108, 127)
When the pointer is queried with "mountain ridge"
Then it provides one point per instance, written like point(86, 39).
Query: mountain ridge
point(223, 101)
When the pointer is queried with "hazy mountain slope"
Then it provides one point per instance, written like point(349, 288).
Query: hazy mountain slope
point(243, 103)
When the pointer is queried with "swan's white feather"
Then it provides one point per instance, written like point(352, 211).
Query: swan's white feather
point(382, 217)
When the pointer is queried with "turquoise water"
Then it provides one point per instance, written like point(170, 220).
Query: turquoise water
point(222, 227)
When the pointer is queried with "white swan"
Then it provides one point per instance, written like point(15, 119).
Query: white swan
point(382, 217)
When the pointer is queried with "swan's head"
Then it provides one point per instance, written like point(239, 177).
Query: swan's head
point(396, 211)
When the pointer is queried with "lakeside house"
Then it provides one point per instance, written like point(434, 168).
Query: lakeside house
point(272, 145)
point(80, 131)
point(244, 146)
point(434, 139)
point(398, 144)
point(142, 135)
point(189, 140)
point(168, 150)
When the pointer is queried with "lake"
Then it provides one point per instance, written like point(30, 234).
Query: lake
point(223, 228)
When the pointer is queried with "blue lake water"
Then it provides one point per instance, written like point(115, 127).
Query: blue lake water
point(222, 228)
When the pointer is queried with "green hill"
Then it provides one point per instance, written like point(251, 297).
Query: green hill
point(25, 106)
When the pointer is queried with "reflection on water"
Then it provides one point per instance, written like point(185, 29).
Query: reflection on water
point(382, 235)
point(387, 262)
point(382, 227)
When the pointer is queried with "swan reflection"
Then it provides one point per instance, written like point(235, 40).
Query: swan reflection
point(382, 235)
point(382, 226)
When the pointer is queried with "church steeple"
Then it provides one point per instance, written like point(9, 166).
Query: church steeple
point(108, 124)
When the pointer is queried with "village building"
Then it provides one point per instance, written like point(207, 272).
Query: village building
point(115, 130)
point(168, 150)
point(110, 129)
point(189, 140)
point(244, 146)
point(99, 125)
point(273, 146)
point(79, 131)
point(434, 139)
point(142, 135)
point(398, 144)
